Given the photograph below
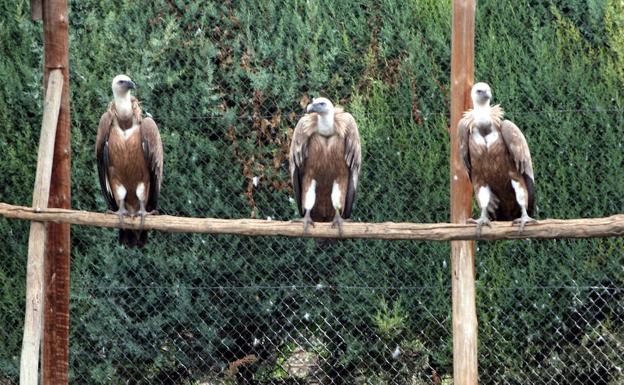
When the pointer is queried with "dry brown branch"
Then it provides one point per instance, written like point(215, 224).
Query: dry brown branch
point(612, 226)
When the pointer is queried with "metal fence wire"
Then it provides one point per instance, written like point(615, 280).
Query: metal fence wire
point(226, 82)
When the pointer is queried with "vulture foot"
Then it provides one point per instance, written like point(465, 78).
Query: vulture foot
point(307, 221)
point(142, 213)
point(482, 221)
point(337, 222)
point(120, 213)
point(522, 221)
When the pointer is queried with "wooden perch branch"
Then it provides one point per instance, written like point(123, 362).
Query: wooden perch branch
point(612, 226)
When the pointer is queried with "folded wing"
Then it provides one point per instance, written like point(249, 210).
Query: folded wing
point(101, 154)
point(153, 153)
point(353, 157)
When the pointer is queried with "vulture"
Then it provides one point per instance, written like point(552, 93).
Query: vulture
point(325, 158)
point(129, 156)
point(498, 161)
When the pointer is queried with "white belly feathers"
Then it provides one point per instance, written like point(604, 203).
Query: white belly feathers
point(125, 134)
point(487, 140)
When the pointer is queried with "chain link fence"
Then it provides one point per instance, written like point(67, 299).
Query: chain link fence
point(226, 82)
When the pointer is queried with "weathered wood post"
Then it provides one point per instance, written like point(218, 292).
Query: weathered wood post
point(55, 354)
point(462, 252)
point(33, 317)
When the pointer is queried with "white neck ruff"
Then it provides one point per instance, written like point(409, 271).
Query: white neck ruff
point(325, 124)
point(123, 105)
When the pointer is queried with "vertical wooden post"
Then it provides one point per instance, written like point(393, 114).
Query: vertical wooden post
point(33, 317)
point(462, 252)
point(55, 355)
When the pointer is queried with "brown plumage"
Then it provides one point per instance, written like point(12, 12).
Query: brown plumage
point(130, 160)
point(498, 161)
point(325, 159)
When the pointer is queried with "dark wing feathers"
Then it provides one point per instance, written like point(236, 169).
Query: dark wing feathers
point(299, 153)
point(519, 149)
point(531, 191)
point(101, 154)
point(463, 129)
point(296, 181)
point(153, 153)
point(353, 157)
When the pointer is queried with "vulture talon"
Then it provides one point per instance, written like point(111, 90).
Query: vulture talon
point(143, 213)
point(120, 213)
point(307, 221)
point(482, 221)
point(337, 222)
point(522, 221)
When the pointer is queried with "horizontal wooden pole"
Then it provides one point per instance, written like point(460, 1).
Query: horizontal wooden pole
point(612, 226)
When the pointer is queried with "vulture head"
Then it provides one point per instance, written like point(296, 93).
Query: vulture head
point(325, 110)
point(321, 106)
point(121, 85)
point(481, 94)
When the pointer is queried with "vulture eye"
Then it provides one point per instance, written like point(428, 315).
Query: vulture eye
point(322, 103)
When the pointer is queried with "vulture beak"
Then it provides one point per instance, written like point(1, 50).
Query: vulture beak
point(311, 108)
point(130, 85)
point(484, 95)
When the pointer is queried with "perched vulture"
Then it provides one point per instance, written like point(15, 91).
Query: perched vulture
point(130, 160)
point(498, 161)
point(325, 158)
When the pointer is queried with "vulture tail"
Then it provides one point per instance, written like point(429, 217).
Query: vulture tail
point(132, 238)
point(323, 243)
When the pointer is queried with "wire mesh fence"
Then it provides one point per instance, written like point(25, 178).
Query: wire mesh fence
point(226, 82)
